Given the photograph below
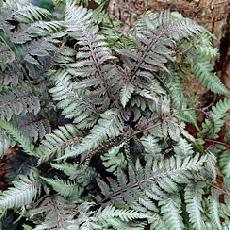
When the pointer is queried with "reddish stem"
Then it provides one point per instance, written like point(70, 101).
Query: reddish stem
point(227, 146)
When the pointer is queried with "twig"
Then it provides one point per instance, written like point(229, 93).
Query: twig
point(227, 146)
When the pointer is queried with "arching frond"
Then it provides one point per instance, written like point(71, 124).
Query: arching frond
point(109, 125)
point(93, 55)
point(23, 192)
point(156, 180)
point(56, 143)
point(156, 36)
point(66, 189)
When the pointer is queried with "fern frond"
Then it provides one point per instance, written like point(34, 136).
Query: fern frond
point(157, 179)
point(183, 148)
point(214, 209)
point(23, 193)
point(202, 67)
point(203, 70)
point(193, 198)
point(93, 53)
point(16, 102)
point(29, 13)
point(18, 136)
point(107, 218)
point(37, 29)
point(109, 125)
point(66, 189)
point(56, 212)
point(155, 40)
point(82, 174)
point(113, 159)
point(171, 211)
point(221, 108)
point(204, 46)
point(74, 103)
point(211, 126)
point(54, 144)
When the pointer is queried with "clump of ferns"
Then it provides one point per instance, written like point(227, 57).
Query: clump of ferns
point(119, 156)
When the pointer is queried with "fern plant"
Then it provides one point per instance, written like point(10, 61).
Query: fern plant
point(103, 119)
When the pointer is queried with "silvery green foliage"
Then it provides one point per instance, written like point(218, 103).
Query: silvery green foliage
point(24, 192)
point(212, 125)
point(119, 157)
